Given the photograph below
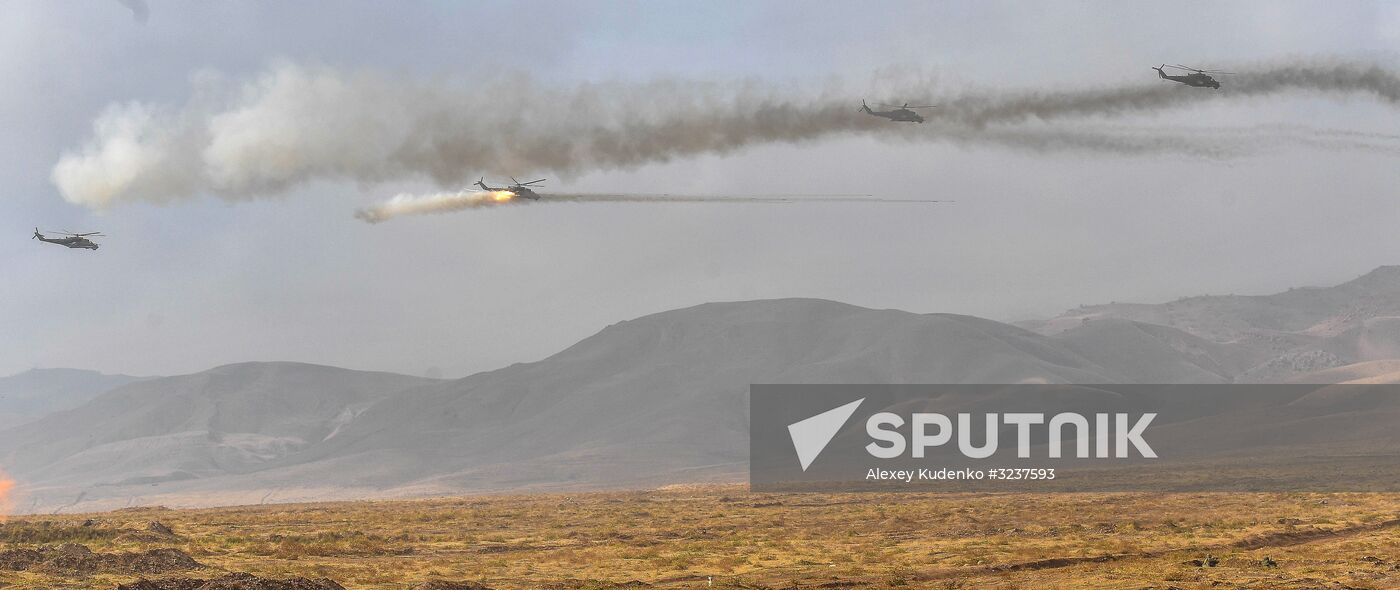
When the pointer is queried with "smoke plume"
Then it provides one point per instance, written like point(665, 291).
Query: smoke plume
point(295, 124)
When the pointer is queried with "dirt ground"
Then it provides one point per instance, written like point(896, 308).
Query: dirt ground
point(727, 537)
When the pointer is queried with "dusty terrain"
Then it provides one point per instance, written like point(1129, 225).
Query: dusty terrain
point(729, 537)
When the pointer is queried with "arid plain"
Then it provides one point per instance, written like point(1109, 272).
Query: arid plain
point(725, 536)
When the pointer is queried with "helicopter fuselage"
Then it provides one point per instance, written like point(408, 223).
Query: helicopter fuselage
point(901, 115)
point(523, 192)
point(71, 242)
point(1196, 80)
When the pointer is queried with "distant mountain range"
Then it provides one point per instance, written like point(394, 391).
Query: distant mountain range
point(1269, 338)
point(656, 400)
point(36, 393)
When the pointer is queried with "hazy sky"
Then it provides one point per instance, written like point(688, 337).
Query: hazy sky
point(294, 276)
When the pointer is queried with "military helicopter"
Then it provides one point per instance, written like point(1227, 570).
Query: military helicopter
point(519, 189)
point(71, 240)
point(904, 113)
point(1198, 77)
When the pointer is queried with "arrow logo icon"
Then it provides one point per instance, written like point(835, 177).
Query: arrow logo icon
point(811, 435)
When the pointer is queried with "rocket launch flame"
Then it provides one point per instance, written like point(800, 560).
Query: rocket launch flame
point(408, 204)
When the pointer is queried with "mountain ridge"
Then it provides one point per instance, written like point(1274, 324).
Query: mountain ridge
point(32, 394)
point(654, 400)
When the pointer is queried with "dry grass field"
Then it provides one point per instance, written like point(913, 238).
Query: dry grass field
point(730, 538)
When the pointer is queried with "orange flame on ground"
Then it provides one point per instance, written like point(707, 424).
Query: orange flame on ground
point(7, 502)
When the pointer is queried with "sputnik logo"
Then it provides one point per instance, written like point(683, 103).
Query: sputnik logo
point(810, 436)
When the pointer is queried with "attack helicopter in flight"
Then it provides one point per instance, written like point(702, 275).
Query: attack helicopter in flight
point(904, 113)
point(1198, 77)
point(70, 239)
point(519, 189)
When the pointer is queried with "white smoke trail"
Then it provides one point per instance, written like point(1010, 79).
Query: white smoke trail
point(447, 202)
point(298, 124)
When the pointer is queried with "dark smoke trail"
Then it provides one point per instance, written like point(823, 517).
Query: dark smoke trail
point(1210, 143)
point(1342, 78)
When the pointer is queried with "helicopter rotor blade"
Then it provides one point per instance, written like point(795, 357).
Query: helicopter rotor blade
point(1199, 70)
point(531, 182)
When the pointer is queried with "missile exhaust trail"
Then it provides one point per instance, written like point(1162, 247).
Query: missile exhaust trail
point(446, 202)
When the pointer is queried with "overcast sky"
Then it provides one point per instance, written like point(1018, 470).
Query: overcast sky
point(184, 287)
